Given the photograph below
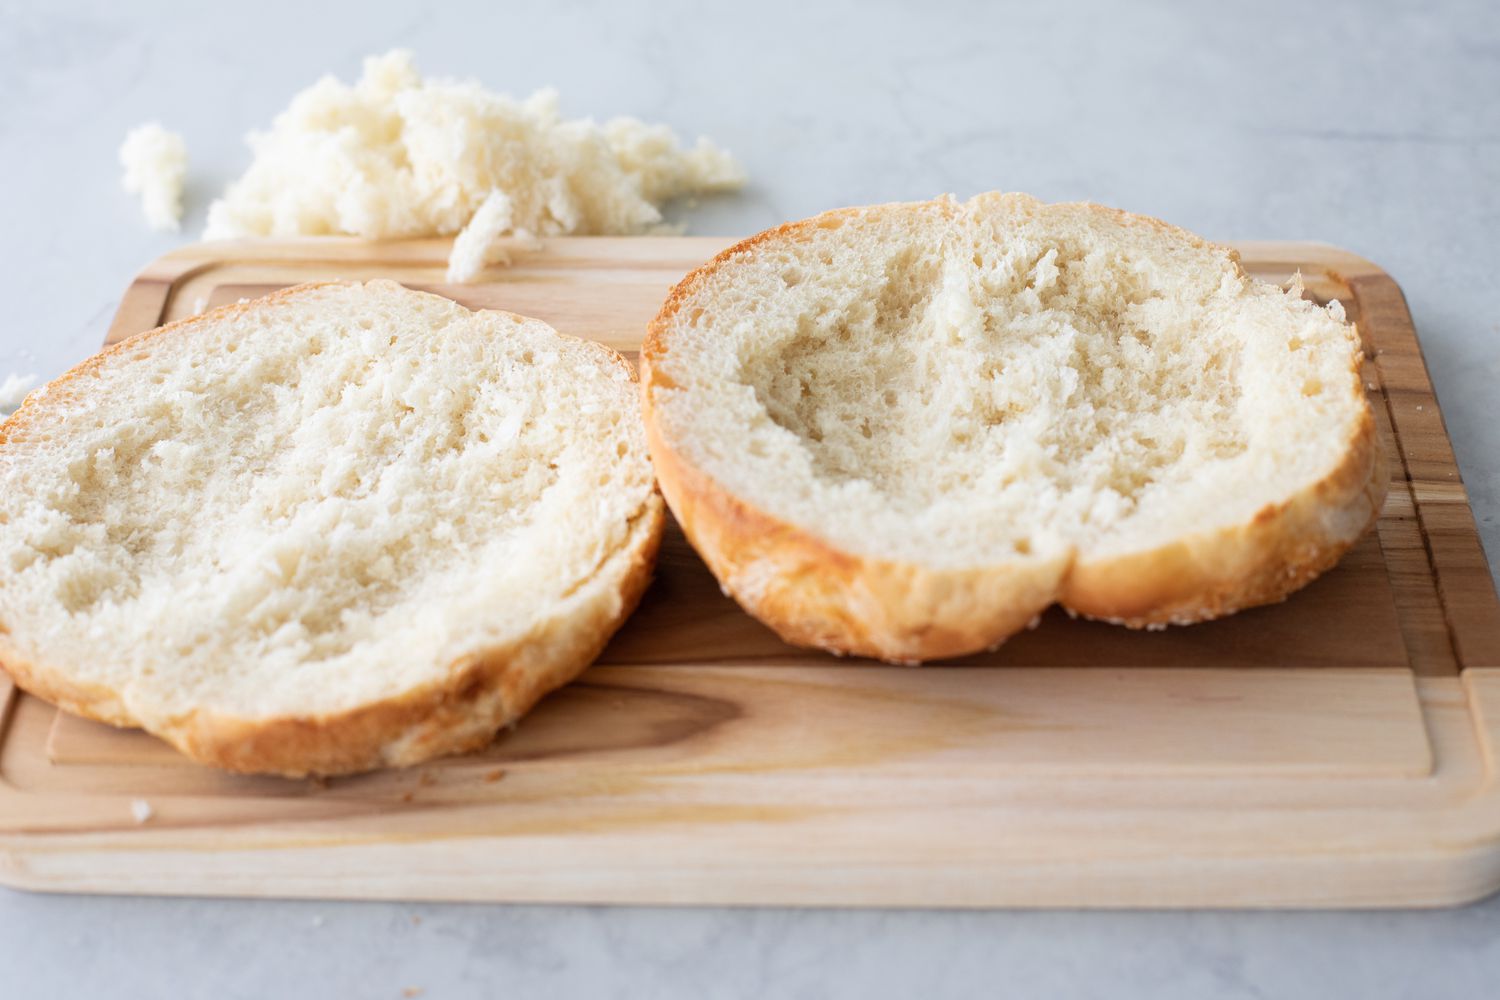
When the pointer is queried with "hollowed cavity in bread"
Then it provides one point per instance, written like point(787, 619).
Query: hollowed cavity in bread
point(957, 387)
point(1001, 379)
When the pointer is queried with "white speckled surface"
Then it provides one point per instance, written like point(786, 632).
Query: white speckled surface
point(1373, 126)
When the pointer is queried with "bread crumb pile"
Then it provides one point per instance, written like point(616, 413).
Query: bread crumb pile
point(155, 163)
point(396, 155)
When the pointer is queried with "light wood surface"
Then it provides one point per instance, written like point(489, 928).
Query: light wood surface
point(1339, 749)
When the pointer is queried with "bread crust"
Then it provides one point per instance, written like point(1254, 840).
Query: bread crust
point(1262, 561)
point(814, 594)
point(460, 711)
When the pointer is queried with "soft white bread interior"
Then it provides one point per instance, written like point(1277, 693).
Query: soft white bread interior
point(344, 526)
point(904, 431)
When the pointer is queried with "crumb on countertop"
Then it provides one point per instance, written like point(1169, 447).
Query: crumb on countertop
point(13, 389)
point(155, 165)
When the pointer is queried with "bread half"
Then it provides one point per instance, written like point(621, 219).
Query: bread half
point(341, 527)
point(904, 431)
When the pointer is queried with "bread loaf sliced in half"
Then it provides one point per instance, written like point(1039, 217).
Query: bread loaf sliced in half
point(904, 431)
point(345, 526)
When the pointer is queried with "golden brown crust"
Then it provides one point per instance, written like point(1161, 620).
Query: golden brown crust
point(1202, 577)
point(813, 594)
point(461, 711)
point(67, 385)
point(92, 701)
point(458, 713)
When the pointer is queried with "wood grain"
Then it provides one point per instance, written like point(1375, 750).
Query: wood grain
point(957, 721)
point(1337, 749)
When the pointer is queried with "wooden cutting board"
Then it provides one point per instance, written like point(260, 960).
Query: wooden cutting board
point(1339, 749)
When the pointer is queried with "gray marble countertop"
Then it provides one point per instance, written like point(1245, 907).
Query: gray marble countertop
point(1373, 126)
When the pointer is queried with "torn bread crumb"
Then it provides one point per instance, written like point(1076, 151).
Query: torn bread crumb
point(155, 163)
point(13, 389)
point(479, 242)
